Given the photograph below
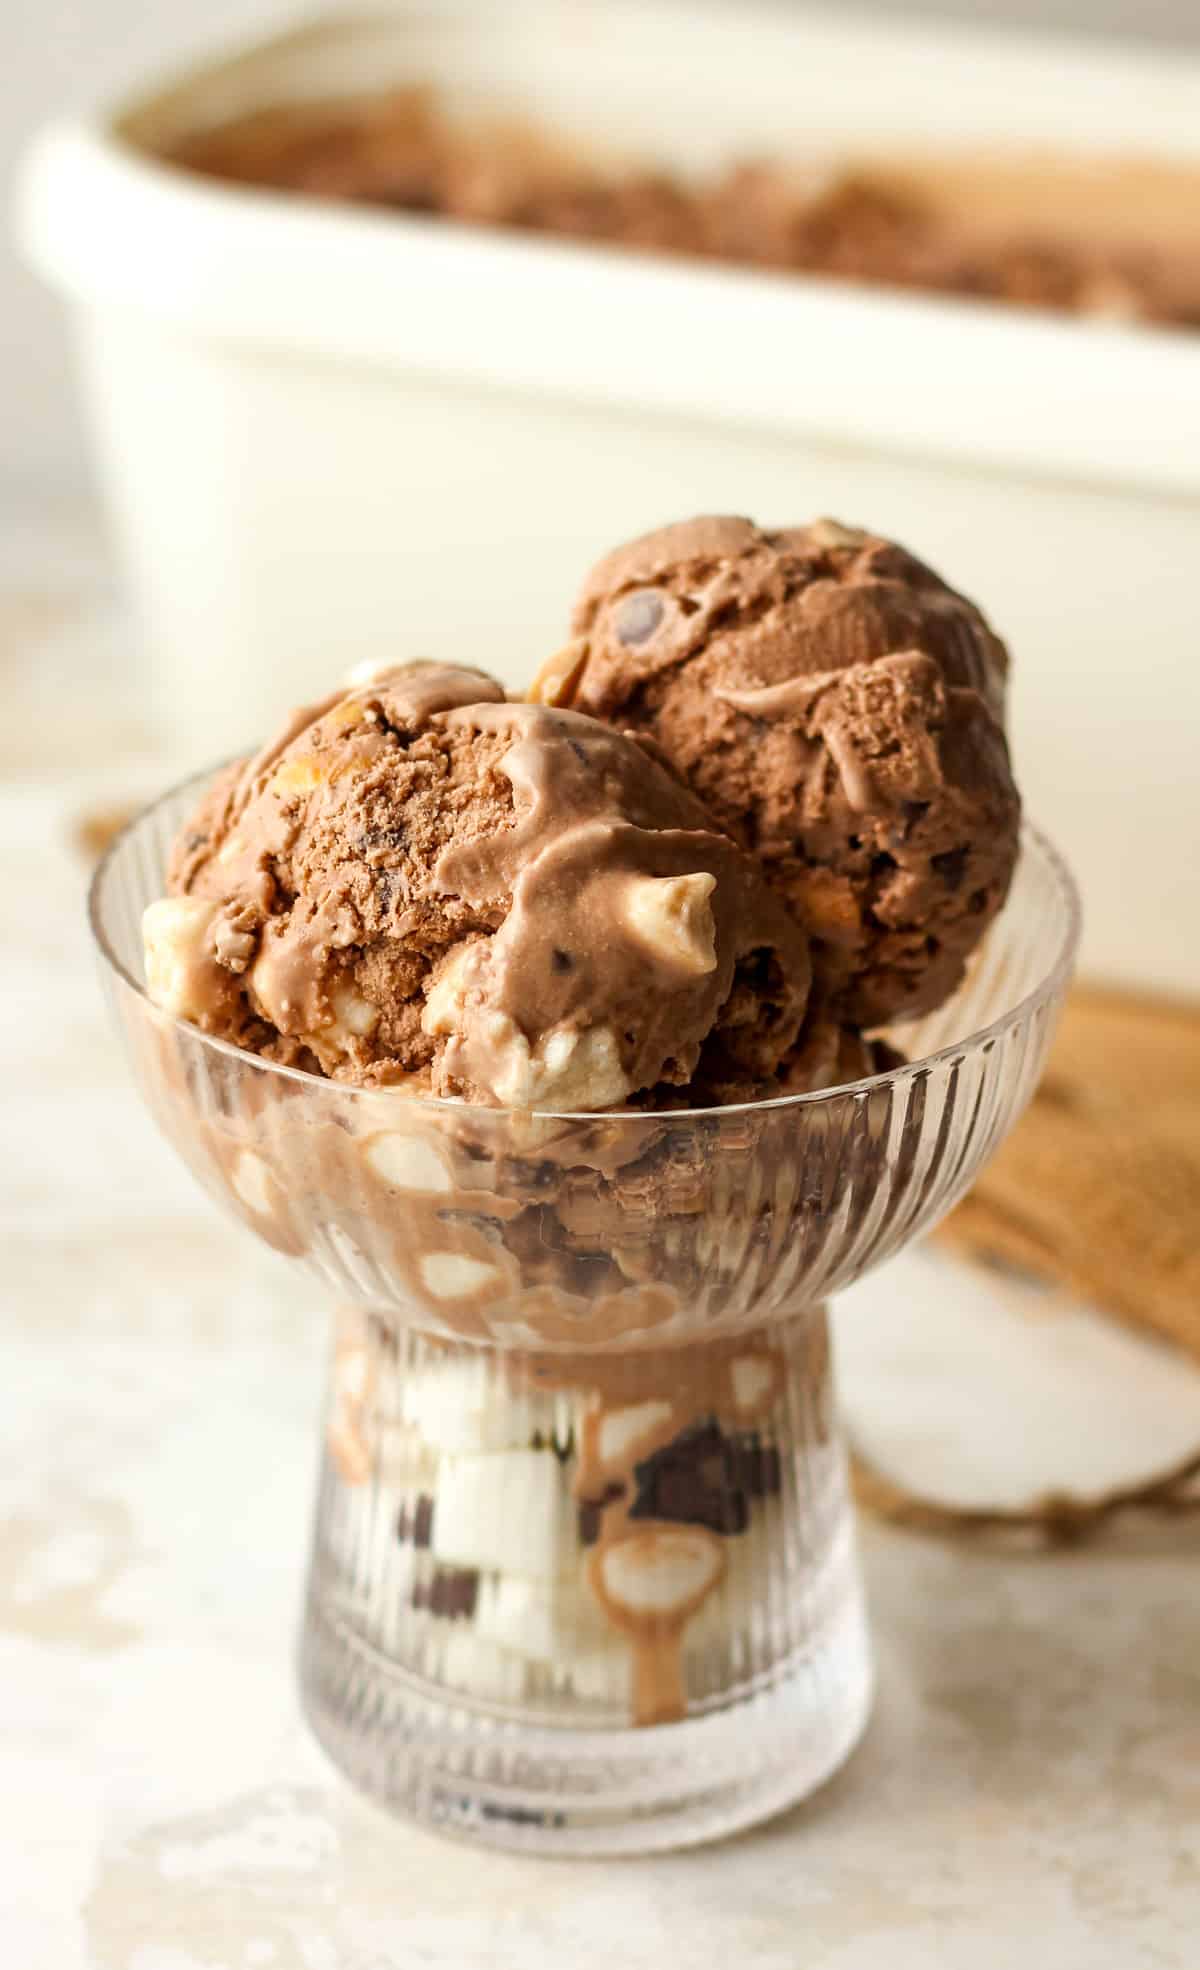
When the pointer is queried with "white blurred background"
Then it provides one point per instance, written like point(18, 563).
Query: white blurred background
point(58, 54)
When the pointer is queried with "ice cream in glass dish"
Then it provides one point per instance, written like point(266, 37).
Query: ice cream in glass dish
point(586, 1044)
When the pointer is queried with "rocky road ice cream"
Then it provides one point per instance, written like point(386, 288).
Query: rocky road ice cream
point(421, 883)
point(1090, 235)
point(839, 710)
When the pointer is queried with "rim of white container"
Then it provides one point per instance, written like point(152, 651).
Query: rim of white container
point(983, 385)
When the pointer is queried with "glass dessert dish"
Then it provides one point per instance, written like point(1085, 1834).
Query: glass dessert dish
point(583, 1574)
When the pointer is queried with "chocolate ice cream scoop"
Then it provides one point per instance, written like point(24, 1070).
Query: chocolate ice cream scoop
point(419, 882)
point(839, 710)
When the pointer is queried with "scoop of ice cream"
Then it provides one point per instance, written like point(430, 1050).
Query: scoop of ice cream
point(839, 710)
point(511, 903)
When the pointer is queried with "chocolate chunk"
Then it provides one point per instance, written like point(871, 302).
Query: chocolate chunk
point(452, 1592)
point(759, 1467)
point(562, 1447)
point(638, 616)
point(699, 1478)
point(415, 1526)
point(384, 838)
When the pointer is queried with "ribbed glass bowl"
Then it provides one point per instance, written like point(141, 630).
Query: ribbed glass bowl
point(583, 1574)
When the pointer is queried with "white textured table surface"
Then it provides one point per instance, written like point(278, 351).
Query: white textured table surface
point(1028, 1793)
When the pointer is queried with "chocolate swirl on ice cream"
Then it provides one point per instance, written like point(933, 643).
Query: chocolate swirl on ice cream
point(516, 904)
point(839, 710)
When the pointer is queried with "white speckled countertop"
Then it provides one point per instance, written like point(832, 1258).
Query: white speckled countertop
point(1028, 1793)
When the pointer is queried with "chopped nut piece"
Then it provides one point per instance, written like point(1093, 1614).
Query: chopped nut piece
point(297, 776)
point(831, 533)
point(556, 678)
point(234, 948)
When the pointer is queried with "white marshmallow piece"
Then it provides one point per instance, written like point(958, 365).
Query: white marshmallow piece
point(353, 1017)
point(557, 1625)
point(672, 915)
point(445, 1001)
point(456, 1276)
point(542, 1620)
point(755, 1379)
point(407, 1162)
point(176, 935)
point(621, 1429)
point(459, 1657)
point(456, 1406)
point(567, 1070)
point(253, 1183)
point(510, 1511)
point(662, 1571)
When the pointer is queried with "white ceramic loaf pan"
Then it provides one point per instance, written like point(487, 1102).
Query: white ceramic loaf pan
point(331, 434)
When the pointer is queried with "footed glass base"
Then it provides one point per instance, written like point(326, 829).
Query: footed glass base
point(585, 1604)
point(554, 1790)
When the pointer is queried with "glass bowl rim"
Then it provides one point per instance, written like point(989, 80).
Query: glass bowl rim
point(1052, 981)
